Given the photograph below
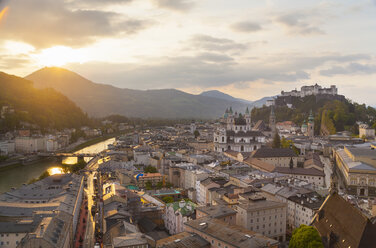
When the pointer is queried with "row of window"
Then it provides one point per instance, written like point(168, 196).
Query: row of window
point(7, 235)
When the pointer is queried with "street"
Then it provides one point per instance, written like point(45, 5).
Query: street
point(327, 170)
point(89, 235)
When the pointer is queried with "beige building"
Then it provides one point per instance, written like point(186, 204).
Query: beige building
point(263, 216)
point(311, 175)
point(30, 144)
point(154, 178)
point(220, 212)
point(358, 168)
point(366, 132)
point(279, 157)
point(221, 235)
point(42, 214)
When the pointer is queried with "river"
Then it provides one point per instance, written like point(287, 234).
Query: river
point(16, 175)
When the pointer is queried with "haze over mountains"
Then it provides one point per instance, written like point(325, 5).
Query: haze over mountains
point(102, 100)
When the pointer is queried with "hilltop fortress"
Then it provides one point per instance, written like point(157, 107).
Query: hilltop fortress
point(312, 90)
point(320, 93)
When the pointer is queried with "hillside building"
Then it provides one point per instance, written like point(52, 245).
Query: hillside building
point(312, 90)
point(366, 132)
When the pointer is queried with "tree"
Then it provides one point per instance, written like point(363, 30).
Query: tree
point(168, 199)
point(305, 236)
point(196, 133)
point(159, 185)
point(150, 169)
point(148, 185)
point(289, 144)
point(276, 141)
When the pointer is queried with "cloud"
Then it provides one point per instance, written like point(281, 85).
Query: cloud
point(298, 23)
point(176, 5)
point(96, 3)
point(352, 68)
point(45, 23)
point(10, 61)
point(210, 43)
point(246, 27)
point(209, 69)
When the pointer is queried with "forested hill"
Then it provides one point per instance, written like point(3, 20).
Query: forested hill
point(46, 108)
point(331, 115)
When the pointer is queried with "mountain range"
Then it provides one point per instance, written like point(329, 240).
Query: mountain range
point(101, 100)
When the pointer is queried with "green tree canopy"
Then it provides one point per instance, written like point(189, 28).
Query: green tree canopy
point(196, 133)
point(150, 169)
point(307, 237)
point(148, 185)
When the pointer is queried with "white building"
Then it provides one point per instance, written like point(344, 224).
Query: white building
point(176, 214)
point(301, 208)
point(192, 176)
point(141, 155)
point(366, 132)
point(7, 147)
point(312, 90)
point(235, 133)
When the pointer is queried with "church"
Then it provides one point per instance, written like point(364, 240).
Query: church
point(235, 133)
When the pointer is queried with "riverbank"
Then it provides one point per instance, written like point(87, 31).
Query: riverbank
point(13, 176)
point(95, 141)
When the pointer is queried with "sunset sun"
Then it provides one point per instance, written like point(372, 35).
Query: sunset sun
point(59, 56)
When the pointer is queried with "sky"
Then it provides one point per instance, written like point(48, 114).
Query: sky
point(246, 48)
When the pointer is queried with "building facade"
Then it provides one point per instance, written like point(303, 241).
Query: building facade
point(235, 133)
point(312, 90)
point(263, 216)
point(176, 214)
point(358, 169)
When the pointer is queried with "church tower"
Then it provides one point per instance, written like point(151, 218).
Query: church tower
point(248, 119)
point(272, 121)
point(230, 119)
point(311, 126)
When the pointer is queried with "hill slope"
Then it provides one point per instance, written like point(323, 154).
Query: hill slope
point(46, 108)
point(331, 114)
point(102, 100)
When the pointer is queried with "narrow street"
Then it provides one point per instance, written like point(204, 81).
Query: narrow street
point(327, 169)
point(89, 235)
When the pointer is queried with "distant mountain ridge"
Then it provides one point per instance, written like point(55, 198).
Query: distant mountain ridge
point(101, 100)
point(220, 95)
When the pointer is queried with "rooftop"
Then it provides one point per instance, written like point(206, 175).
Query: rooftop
point(231, 235)
point(183, 240)
point(300, 171)
point(274, 152)
point(216, 211)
